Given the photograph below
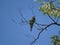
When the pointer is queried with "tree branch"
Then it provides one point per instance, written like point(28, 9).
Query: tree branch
point(42, 31)
point(57, 24)
point(51, 18)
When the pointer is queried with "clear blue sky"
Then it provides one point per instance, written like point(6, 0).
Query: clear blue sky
point(16, 34)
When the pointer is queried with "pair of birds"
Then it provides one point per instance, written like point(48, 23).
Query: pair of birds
point(31, 22)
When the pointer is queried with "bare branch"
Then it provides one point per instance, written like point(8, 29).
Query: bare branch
point(22, 22)
point(41, 32)
point(41, 24)
point(15, 21)
point(22, 14)
point(37, 27)
point(57, 24)
point(32, 11)
point(51, 18)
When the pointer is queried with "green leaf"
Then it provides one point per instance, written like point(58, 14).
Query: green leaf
point(58, 43)
point(59, 1)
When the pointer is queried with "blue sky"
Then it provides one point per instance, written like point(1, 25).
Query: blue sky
point(16, 34)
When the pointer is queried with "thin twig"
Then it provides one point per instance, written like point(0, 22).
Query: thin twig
point(32, 11)
point(38, 27)
point(41, 24)
point(15, 21)
point(21, 14)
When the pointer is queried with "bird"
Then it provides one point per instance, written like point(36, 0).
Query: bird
point(31, 22)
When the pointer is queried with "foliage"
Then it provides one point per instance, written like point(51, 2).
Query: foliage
point(50, 8)
point(55, 40)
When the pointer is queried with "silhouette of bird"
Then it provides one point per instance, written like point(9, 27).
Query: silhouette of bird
point(31, 22)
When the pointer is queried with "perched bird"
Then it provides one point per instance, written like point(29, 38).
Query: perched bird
point(31, 22)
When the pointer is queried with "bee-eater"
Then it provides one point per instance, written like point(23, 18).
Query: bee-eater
point(31, 22)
